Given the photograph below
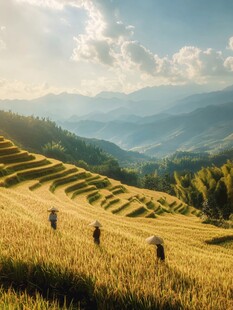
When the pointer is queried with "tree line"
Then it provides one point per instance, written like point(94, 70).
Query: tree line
point(41, 135)
point(202, 180)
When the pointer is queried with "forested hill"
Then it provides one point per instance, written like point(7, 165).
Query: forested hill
point(45, 137)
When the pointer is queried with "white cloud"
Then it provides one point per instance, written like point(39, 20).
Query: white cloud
point(137, 55)
point(228, 63)
point(186, 62)
point(97, 51)
point(230, 44)
point(103, 48)
point(198, 65)
point(212, 63)
point(103, 37)
point(108, 41)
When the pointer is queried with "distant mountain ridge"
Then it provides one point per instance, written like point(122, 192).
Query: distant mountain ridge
point(144, 102)
point(156, 121)
point(205, 129)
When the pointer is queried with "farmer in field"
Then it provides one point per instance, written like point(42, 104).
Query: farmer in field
point(160, 252)
point(96, 233)
point(158, 241)
point(53, 217)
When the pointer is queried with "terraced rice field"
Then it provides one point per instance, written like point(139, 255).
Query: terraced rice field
point(99, 191)
point(63, 269)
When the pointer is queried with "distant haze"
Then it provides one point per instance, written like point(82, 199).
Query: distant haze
point(158, 126)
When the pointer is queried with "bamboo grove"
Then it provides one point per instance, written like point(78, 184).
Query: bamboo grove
point(210, 188)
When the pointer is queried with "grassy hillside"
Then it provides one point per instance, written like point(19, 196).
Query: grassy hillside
point(63, 269)
point(17, 166)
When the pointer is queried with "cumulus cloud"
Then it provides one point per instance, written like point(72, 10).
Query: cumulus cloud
point(93, 50)
point(136, 54)
point(230, 44)
point(193, 63)
point(228, 63)
point(110, 42)
point(103, 37)
point(105, 53)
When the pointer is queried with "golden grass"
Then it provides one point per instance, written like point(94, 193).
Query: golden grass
point(196, 275)
point(38, 266)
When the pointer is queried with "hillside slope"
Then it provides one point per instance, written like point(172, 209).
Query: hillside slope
point(17, 166)
point(34, 134)
point(43, 269)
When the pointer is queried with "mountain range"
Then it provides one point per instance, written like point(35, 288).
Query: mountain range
point(204, 129)
point(167, 120)
point(144, 102)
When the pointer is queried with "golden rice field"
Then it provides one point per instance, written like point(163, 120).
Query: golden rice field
point(63, 269)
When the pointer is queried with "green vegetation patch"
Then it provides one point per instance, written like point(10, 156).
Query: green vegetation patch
point(110, 203)
point(99, 183)
point(27, 165)
point(150, 205)
point(17, 157)
point(9, 150)
point(82, 190)
point(40, 171)
point(77, 185)
point(122, 207)
point(58, 175)
point(118, 189)
point(92, 197)
point(137, 212)
point(5, 143)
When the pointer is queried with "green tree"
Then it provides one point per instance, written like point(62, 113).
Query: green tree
point(54, 150)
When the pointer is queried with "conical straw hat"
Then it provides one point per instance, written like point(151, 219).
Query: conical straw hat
point(53, 209)
point(154, 240)
point(95, 224)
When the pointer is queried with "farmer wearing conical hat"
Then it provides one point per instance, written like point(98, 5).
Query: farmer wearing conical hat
point(96, 233)
point(158, 241)
point(53, 217)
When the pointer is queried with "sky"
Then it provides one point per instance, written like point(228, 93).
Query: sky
point(90, 46)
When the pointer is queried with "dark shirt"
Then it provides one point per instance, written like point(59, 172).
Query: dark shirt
point(160, 252)
point(96, 233)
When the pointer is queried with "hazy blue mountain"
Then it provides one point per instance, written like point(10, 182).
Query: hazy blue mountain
point(117, 114)
point(150, 120)
point(205, 129)
point(123, 157)
point(144, 102)
point(193, 102)
point(167, 93)
point(110, 95)
point(61, 106)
